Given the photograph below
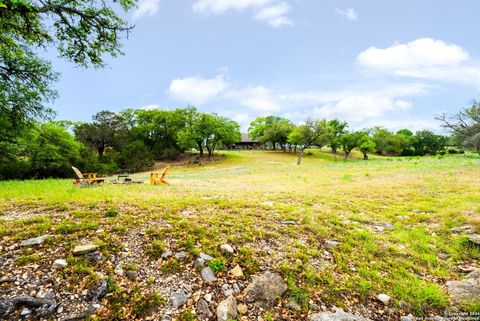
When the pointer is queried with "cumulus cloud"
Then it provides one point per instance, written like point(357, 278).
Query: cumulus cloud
point(258, 98)
point(275, 15)
point(150, 107)
point(197, 90)
point(146, 8)
point(420, 53)
point(348, 13)
point(273, 12)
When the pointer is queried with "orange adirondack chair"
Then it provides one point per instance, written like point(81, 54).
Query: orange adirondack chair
point(159, 178)
point(87, 179)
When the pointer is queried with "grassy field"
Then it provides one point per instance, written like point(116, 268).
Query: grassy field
point(391, 216)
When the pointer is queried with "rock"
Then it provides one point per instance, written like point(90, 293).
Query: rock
point(166, 255)
point(207, 274)
point(242, 308)
point(98, 291)
point(208, 297)
point(386, 225)
point(383, 298)
point(293, 305)
point(289, 222)
point(227, 290)
point(474, 238)
point(83, 315)
point(199, 262)
point(339, 315)
point(34, 241)
point(178, 298)
point(181, 256)
point(25, 311)
point(269, 204)
point(84, 249)
point(266, 288)
point(406, 318)
point(227, 309)
point(331, 243)
point(59, 264)
point(465, 228)
point(236, 272)
point(227, 248)
point(443, 256)
point(95, 256)
point(42, 307)
point(205, 257)
point(203, 309)
point(131, 275)
point(465, 290)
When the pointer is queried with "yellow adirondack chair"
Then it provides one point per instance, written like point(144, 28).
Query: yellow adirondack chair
point(87, 178)
point(159, 178)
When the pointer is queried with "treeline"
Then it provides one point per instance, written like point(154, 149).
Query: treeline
point(277, 132)
point(129, 140)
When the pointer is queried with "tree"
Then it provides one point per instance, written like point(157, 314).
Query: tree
point(367, 146)
point(380, 137)
point(313, 132)
point(271, 129)
point(224, 131)
point(465, 125)
point(353, 140)
point(336, 129)
point(429, 143)
point(82, 31)
point(108, 129)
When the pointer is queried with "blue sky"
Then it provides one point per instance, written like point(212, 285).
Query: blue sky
point(370, 62)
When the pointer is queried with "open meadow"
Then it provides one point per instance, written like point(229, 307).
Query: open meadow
point(339, 233)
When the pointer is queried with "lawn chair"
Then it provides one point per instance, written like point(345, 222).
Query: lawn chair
point(159, 178)
point(86, 179)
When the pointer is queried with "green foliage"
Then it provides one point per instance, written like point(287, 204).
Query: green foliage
point(312, 133)
point(217, 264)
point(271, 130)
point(353, 140)
point(135, 157)
point(155, 249)
point(111, 212)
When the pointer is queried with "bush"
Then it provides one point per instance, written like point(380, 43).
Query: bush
point(135, 157)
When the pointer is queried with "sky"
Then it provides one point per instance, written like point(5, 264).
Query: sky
point(370, 62)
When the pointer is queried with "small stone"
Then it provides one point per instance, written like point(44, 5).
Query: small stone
point(406, 318)
point(339, 315)
point(84, 249)
point(443, 256)
point(34, 241)
point(178, 298)
point(98, 291)
point(203, 309)
point(293, 305)
point(205, 257)
point(208, 275)
point(59, 264)
point(236, 272)
point(289, 222)
point(474, 238)
point(266, 288)
point(119, 271)
point(227, 309)
point(227, 248)
point(383, 298)
point(465, 228)
point(208, 297)
point(131, 275)
point(242, 308)
point(181, 256)
point(331, 243)
point(25, 311)
point(95, 256)
point(166, 255)
point(199, 262)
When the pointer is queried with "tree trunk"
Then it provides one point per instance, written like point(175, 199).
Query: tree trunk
point(346, 154)
point(300, 156)
point(295, 149)
point(100, 150)
point(200, 148)
point(365, 156)
point(334, 152)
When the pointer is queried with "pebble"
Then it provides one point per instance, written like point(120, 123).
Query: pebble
point(205, 257)
point(166, 255)
point(242, 308)
point(178, 298)
point(227, 248)
point(208, 275)
point(131, 275)
point(236, 272)
point(383, 298)
point(208, 297)
point(199, 262)
point(59, 264)
point(84, 249)
point(181, 256)
point(34, 241)
point(332, 243)
point(25, 312)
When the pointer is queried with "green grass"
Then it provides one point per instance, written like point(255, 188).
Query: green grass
point(244, 199)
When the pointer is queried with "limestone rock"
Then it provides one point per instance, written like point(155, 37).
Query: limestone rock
point(84, 249)
point(208, 275)
point(178, 298)
point(203, 309)
point(467, 289)
point(339, 315)
point(265, 289)
point(227, 248)
point(236, 272)
point(59, 264)
point(34, 241)
point(227, 309)
point(383, 298)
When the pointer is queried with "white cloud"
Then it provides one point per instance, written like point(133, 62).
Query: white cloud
point(348, 13)
point(222, 6)
point(420, 53)
point(150, 107)
point(275, 15)
point(146, 8)
point(197, 90)
point(271, 11)
point(258, 98)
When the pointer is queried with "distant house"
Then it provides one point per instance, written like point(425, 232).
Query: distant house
point(246, 143)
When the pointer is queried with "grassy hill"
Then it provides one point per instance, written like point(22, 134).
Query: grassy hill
point(338, 232)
